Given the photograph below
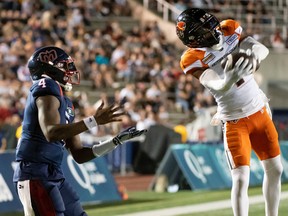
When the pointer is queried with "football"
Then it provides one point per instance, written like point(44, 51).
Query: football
point(234, 57)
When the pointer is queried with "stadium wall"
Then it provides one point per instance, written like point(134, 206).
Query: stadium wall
point(204, 167)
point(92, 181)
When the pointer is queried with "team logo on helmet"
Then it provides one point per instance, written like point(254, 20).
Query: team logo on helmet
point(48, 56)
point(205, 17)
point(181, 26)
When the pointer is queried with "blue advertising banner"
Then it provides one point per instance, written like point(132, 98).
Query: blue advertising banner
point(9, 200)
point(256, 171)
point(204, 166)
point(219, 160)
point(92, 181)
point(198, 167)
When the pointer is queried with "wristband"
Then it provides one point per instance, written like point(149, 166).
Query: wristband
point(90, 122)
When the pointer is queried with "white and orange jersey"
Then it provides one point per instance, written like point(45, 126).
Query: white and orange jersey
point(240, 100)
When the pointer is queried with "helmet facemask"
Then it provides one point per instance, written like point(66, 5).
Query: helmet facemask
point(65, 73)
point(71, 74)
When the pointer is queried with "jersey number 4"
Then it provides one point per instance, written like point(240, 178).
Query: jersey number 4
point(42, 83)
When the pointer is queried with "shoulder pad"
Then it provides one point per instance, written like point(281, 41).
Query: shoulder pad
point(230, 26)
point(192, 60)
point(46, 86)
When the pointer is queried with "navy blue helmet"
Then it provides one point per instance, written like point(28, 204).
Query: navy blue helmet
point(55, 63)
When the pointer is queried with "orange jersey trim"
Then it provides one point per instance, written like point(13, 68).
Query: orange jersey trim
point(228, 27)
point(192, 55)
point(194, 59)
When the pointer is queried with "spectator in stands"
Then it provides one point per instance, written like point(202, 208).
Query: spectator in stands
point(183, 96)
point(141, 55)
point(277, 41)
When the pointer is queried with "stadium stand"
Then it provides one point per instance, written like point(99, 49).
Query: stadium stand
point(121, 58)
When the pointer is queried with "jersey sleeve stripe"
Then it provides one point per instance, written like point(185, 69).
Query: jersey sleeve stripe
point(196, 64)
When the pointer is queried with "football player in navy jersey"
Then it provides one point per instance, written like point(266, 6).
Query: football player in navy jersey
point(48, 129)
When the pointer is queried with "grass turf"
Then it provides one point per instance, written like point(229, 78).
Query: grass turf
point(148, 200)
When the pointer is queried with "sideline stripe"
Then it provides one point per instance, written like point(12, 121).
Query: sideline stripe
point(203, 207)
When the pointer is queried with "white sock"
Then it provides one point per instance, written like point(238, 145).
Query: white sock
point(272, 184)
point(239, 192)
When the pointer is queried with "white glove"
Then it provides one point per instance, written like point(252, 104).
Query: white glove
point(108, 145)
point(242, 67)
point(127, 134)
point(209, 78)
point(259, 50)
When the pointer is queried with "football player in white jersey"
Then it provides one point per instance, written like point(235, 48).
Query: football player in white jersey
point(242, 107)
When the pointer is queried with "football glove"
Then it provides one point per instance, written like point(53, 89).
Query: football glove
point(259, 50)
point(243, 67)
point(109, 145)
point(127, 134)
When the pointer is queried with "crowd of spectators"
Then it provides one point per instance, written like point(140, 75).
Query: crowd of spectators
point(139, 64)
point(265, 20)
point(145, 67)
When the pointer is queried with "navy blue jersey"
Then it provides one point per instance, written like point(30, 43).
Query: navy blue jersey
point(40, 159)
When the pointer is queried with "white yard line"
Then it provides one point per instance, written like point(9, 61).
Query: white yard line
point(203, 207)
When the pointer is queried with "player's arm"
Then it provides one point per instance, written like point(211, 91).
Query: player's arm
point(257, 49)
point(49, 119)
point(198, 72)
point(83, 154)
point(210, 79)
point(80, 153)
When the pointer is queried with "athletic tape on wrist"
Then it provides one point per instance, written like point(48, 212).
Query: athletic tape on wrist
point(90, 122)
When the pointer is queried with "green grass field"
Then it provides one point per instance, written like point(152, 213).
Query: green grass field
point(148, 200)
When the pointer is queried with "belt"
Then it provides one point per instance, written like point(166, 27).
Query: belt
point(234, 121)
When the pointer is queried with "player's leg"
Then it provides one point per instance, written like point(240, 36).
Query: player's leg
point(266, 146)
point(238, 151)
point(71, 201)
point(23, 190)
point(272, 184)
point(40, 198)
point(239, 191)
